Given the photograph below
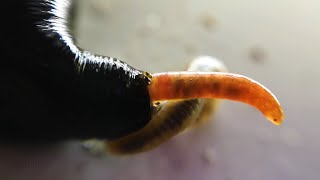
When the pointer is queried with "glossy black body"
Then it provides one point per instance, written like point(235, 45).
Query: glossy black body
point(44, 96)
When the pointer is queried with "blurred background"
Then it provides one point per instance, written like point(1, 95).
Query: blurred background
point(274, 42)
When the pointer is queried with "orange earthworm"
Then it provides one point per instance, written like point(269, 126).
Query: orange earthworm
point(189, 85)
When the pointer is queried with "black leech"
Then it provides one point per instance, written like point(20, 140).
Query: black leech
point(70, 92)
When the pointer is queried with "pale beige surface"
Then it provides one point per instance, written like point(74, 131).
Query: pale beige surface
point(275, 42)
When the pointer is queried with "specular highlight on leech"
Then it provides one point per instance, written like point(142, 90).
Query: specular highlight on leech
point(191, 85)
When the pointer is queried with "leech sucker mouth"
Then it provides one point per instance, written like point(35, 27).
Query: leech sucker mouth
point(220, 85)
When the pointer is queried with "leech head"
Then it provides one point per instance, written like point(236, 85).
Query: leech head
point(221, 85)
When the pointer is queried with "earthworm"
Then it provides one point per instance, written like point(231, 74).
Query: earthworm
point(186, 85)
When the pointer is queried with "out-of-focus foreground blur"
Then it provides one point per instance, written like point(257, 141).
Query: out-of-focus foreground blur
point(274, 42)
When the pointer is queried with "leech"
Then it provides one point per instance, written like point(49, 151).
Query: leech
point(190, 85)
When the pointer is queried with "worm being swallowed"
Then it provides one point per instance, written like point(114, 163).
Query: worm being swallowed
point(192, 97)
point(173, 116)
point(53, 90)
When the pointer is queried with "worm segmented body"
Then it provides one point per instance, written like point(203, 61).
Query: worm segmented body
point(72, 93)
point(186, 85)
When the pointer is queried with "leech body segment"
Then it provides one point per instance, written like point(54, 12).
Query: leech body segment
point(190, 85)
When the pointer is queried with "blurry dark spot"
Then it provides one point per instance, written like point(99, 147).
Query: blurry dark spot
point(188, 91)
point(144, 32)
point(179, 84)
point(81, 166)
point(190, 48)
point(257, 54)
point(215, 86)
point(208, 21)
point(231, 91)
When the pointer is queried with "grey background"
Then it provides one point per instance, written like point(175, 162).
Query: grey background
point(274, 42)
